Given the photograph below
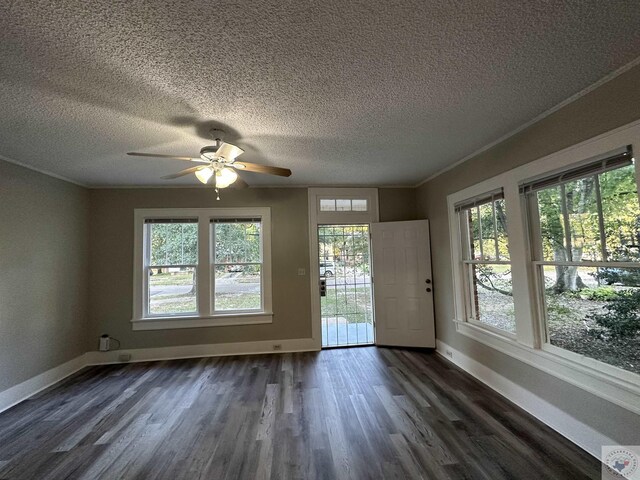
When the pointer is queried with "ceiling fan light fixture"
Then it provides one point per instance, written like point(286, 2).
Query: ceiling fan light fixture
point(204, 174)
point(217, 159)
point(225, 177)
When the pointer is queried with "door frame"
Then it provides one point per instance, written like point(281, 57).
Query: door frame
point(316, 217)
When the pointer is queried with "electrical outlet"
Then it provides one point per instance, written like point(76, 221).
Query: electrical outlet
point(124, 357)
point(302, 272)
point(449, 353)
point(277, 346)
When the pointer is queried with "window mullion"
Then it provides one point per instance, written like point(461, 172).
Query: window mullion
point(515, 211)
point(487, 262)
point(535, 277)
point(203, 275)
point(533, 224)
point(465, 240)
point(612, 264)
point(480, 233)
point(471, 291)
point(174, 265)
point(146, 269)
point(236, 263)
point(495, 230)
point(146, 247)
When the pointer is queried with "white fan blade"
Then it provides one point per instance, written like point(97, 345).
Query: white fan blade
point(174, 157)
point(229, 152)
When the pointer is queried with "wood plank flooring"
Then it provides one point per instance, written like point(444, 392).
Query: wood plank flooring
point(350, 413)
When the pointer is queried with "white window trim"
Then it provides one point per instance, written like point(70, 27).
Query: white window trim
point(344, 197)
point(206, 317)
point(614, 384)
point(344, 216)
point(466, 296)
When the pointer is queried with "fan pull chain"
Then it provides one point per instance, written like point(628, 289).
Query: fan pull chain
point(217, 194)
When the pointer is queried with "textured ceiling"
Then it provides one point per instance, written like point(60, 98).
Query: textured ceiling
point(341, 92)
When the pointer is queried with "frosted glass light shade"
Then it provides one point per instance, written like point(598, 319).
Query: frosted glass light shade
point(225, 177)
point(204, 174)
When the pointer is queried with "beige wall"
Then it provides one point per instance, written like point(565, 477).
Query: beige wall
point(111, 291)
point(611, 105)
point(43, 273)
point(397, 204)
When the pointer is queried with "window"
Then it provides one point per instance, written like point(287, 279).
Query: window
point(343, 205)
point(585, 230)
point(202, 267)
point(237, 264)
point(172, 260)
point(573, 233)
point(485, 262)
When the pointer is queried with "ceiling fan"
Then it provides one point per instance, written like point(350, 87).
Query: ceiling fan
point(218, 165)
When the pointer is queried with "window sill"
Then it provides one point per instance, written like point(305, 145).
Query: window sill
point(622, 389)
point(493, 330)
point(218, 320)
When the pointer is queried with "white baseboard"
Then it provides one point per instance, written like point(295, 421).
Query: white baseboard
point(208, 350)
point(28, 388)
point(577, 432)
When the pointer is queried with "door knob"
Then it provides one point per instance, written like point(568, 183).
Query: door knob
point(428, 289)
point(428, 280)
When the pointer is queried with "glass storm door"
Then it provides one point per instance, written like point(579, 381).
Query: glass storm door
point(346, 301)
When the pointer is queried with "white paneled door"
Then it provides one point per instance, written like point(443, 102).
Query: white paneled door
point(403, 287)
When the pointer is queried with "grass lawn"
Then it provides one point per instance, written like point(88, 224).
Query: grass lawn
point(242, 301)
point(186, 303)
point(178, 278)
point(353, 304)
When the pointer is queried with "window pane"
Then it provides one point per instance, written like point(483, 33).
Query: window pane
point(172, 291)
point(488, 232)
point(174, 243)
point(501, 226)
point(237, 242)
point(492, 295)
point(359, 205)
point(599, 317)
point(582, 210)
point(237, 287)
point(343, 205)
point(551, 225)
point(346, 308)
point(484, 227)
point(621, 214)
point(327, 205)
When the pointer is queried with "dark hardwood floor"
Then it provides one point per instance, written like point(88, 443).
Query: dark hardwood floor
point(348, 413)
